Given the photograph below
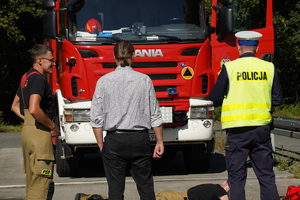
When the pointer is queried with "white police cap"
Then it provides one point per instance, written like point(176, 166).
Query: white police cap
point(248, 37)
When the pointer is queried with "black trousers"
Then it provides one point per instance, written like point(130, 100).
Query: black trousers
point(128, 150)
point(254, 142)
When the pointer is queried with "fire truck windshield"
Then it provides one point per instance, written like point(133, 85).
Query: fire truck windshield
point(136, 20)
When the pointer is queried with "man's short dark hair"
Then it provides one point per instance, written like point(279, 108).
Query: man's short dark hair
point(39, 50)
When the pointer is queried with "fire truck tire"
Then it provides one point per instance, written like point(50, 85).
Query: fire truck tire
point(196, 159)
point(76, 161)
point(62, 165)
point(170, 153)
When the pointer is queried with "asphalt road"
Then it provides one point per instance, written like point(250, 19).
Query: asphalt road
point(168, 174)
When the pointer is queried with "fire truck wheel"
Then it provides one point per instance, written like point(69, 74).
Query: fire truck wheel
point(196, 159)
point(170, 153)
point(62, 165)
point(76, 161)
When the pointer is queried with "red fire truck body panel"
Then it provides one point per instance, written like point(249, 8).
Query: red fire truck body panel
point(87, 71)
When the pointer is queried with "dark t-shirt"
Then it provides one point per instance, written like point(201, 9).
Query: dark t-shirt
point(206, 192)
point(36, 84)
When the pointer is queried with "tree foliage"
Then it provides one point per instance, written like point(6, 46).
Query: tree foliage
point(20, 29)
point(287, 47)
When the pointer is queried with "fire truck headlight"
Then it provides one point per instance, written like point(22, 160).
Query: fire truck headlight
point(79, 115)
point(207, 124)
point(74, 127)
point(200, 112)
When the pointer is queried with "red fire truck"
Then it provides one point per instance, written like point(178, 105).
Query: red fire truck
point(177, 44)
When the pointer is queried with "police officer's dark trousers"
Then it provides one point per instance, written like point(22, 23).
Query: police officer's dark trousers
point(131, 150)
point(38, 159)
point(254, 142)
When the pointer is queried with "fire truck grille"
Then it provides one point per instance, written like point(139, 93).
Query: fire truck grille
point(165, 99)
point(162, 76)
point(204, 83)
point(162, 88)
point(144, 64)
point(74, 87)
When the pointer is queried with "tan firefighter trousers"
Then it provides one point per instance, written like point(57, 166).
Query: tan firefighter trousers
point(38, 159)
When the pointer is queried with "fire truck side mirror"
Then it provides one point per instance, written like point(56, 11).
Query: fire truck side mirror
point(48, 4)
point(226, 2)
point(49, 25)
point(225, 20)
point(210, 30)
point(70, 3)
point(268, 57)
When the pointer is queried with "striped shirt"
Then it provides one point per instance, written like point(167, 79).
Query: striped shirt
point(125, 99)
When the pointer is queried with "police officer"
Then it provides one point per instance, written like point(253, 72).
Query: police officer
point(248, 88)
point(33, 103)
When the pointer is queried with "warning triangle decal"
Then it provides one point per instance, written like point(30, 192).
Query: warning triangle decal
point(187, 72)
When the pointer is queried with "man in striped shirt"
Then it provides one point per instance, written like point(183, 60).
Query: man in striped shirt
point(125, 106)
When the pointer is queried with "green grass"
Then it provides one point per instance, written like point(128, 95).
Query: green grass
point(287, 164)
point(292, 111)
point(4, 127)
point(9, 128)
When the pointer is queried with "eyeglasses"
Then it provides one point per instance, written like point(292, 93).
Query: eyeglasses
point(51, 60)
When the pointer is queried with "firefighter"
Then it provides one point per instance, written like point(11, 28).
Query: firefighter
point(33, 103)
point(248, 88)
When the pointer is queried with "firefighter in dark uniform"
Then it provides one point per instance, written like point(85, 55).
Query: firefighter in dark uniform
point(248, 88)
point(33, 103)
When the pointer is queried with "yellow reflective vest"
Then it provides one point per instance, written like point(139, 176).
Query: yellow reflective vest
point(249, 99)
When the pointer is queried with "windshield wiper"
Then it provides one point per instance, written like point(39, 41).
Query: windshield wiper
point(166, 36)
point(169, 37)
point(113, 38)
